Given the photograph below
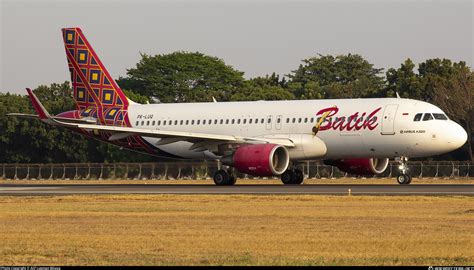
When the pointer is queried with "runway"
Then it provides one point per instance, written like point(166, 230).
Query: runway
point(339, 189)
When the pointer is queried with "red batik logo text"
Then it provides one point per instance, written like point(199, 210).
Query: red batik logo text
point(356, 121)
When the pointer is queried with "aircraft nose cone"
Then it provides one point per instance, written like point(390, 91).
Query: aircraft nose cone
point(457, 136)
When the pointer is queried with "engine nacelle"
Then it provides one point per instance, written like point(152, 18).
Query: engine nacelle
point(259, 159)
point(360, 166)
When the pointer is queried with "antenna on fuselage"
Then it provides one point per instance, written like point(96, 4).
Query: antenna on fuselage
point(214, 100)
point(398, 96)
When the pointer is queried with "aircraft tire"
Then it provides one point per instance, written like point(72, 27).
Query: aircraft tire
point(288, 177)
point(404, 179)
point(299, 177)
point(223, 178)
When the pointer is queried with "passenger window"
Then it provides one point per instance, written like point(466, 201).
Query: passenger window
point(175, 122)
point(440, 116)
point(136, 124)
point(238, 121)
point(215, 121)
point(427, 117)
point(233, 121)
point(256, 120)
point(312, 119)
point(262, 120)
point(181, 122)
point(143, 123)
point(153, 123)
point(187, 122)
point(306, 119)
point(299, 120)
point(278, 120)
point(245, 121)
point(204, 122)
point(250, 121)
point(198, 122)
point(269, 120)
point(159, 122)
point(287, 120)
point(417, 117)
point(294, 120)
point(192, 122)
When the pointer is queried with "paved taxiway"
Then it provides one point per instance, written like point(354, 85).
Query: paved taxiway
point(340, 189)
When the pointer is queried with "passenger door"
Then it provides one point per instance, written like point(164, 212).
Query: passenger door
point(388, 119)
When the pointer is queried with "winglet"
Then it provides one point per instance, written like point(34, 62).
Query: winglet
point(42, 113)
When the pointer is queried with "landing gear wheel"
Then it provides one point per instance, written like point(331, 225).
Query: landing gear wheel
point(224, 178)
point(232, 179)
point(299, 177)
point(409, 179)
point(292, 177)
point(287, 177)
point(404, 179)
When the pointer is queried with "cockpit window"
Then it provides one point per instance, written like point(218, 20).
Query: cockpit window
point(417, 117)
point(427, 117)
point(440, 116)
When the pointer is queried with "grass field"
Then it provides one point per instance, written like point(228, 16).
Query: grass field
point(236, 230)
point(322, 181)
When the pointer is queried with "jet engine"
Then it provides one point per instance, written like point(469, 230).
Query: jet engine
point(360, 166)
point(259, 159)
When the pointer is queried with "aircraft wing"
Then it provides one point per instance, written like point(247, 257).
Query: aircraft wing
point(167, 136)
point(123, 132)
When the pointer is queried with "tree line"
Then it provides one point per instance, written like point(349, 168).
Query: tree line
point(195, 77)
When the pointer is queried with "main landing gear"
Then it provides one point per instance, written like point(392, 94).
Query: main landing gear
point(292, 176)
point(403, 178)
point(224, 178)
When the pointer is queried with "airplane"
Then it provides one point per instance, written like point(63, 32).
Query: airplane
point(259, 138)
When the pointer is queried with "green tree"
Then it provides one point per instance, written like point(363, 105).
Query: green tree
point(343, 76)
point(183, 77)
point(263, 88)
point(404, 81)
point(30, 140)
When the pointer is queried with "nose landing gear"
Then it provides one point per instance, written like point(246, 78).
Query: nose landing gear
point(403, 178)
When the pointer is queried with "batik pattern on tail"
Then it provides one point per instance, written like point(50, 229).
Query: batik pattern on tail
point(95, 92)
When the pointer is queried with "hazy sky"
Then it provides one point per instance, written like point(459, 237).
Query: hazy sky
point(257, 37)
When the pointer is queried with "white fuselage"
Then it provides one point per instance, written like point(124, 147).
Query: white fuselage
point(389, 132)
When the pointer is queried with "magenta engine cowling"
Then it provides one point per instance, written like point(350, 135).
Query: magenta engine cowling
point(360, 166)
point(259, 159)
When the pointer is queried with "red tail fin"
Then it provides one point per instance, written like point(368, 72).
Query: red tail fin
point(93, 86)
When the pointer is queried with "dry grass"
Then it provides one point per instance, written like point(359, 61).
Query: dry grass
point(323, 181)
point(236, 230)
